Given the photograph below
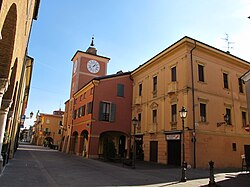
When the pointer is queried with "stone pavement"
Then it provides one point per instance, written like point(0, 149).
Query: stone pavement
point(39, 166)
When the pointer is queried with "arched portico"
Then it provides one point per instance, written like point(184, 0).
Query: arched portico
point(84, 143)
point(7, 42)
point(74, 142)
point(119, 141)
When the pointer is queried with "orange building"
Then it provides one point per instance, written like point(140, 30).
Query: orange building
point(99, 110)
point(48, 129)
point(207, 82)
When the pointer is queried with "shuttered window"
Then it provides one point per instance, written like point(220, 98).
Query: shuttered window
point(107, 111)
point(120, 90)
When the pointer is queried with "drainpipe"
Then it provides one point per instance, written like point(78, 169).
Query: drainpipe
point(193, 104)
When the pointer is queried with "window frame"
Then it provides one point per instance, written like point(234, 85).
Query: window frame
point(201, 75)
point(140, 89)
point(174, 113)
point(225, 80)
point(120, 90)
point(154, 116)
point(155, 84)
point(203, 112)
point(173, 74)
point(108, 114)
point(229, 112)
point(241, 89)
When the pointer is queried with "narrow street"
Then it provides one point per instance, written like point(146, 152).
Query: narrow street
point(40, 166)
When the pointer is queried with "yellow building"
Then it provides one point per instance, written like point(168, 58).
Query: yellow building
point(48, 129)
point(206, 81)
point(16, 17)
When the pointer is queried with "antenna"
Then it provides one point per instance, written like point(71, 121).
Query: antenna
point(228, 43)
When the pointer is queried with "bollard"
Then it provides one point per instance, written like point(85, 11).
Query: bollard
point(183, 172)
point(211, 177)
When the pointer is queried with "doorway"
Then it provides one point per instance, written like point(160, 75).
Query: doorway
point(153, 151)
point(174, 152)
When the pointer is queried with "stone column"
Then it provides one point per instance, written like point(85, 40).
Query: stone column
point(5, 105)
point(3, 88)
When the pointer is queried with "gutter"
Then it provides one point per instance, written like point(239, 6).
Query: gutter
point(193, 103)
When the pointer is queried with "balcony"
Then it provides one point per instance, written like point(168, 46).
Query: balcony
point(153, 128)
point(172, 87)
point(173, 125)
point(138, 100)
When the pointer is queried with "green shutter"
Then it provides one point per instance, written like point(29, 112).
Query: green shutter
point(120, 90)
point(100, 111)
point(112, 112)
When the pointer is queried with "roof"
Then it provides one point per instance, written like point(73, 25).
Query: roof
point(179, 42)
point(118, 74)
point(88, 54)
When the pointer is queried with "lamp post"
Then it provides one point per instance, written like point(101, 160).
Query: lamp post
point(134, 122)
point(183, 115)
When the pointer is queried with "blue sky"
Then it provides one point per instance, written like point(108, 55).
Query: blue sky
point(129, 32)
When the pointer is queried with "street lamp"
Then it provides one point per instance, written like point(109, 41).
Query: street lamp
point(134, 122)
point(183, 115)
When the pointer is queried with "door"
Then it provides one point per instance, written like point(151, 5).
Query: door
point(174, 152)
point(122, 142)
point(153, 151)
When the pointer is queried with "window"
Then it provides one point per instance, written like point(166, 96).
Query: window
point(81, 97)
point(80, 111)
point(173, 113)
point(91, 91)
point(155, 84)
point(83, 110)
point(154, 116)
point(228, 114)
point(89, 108)
point(234, 146)
point(59, 131)
point(173, 74)
point(140, 89)
point(225, 79)
point(244, 118)
point(47, 121)
point(84, 95)
point(240, 85)
point(201, 73)
point(107, 112)
point(120, 90)
point(139, 119)
point(74, 114)
point(203, 112)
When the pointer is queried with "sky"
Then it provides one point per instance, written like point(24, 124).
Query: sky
point(130, 32)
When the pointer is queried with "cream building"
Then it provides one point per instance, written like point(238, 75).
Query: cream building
point(16, 17)
point(206, 81)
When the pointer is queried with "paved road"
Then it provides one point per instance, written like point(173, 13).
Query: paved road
point(38, 166)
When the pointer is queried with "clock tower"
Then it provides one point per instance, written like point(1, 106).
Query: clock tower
point(86, 66)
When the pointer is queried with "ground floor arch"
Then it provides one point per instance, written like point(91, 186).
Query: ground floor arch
point(74, 146)
point(113, 144)
point(84, 137)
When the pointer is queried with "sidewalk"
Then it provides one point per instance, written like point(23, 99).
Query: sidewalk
point(40, 166)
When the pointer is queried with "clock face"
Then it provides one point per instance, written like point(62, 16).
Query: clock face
point(93, 66)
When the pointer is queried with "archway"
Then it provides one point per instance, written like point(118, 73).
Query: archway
point(48, 142)
point(116, 140)
point(7, 42)
point(84, 143)
point(75, 142)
